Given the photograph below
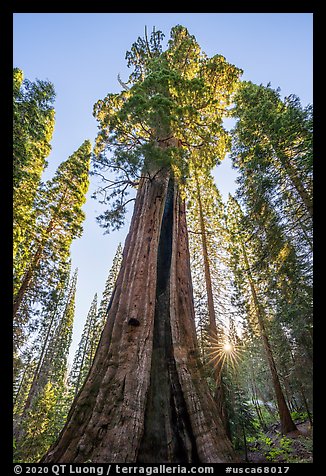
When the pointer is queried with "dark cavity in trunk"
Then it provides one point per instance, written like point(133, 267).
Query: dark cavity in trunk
point(167, 430)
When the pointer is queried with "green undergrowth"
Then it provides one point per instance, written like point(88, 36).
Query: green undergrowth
point(273, 447)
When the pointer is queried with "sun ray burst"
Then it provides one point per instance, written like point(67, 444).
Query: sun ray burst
point(221, 352)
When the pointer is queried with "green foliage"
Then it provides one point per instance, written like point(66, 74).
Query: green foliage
point(173, 106)
point(279, 451)
point(275, 449)
point(94, 325)
point(85, 352)
point(41, 396)
point(271, 150)
point(33, 124)
point(242, 419)
point(299, 416)
point(274, 137)
point(41, 425)
point(33, 121)
point(58, 221)
point(282, 449)
point(36, 427)
point(107, 293)
point(268, 417)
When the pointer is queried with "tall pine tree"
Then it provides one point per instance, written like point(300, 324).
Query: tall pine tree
point(84, 354)
point(33, 125)
point(59, 221)
point(252, 288)
point(46, 405)
point(93, 328)
point(205, 218)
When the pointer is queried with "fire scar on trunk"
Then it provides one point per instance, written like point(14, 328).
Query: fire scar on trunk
point(145, 399)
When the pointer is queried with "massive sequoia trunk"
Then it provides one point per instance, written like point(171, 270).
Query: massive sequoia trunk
point(144, 399)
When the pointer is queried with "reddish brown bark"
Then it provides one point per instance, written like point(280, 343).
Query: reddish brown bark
point(287, 424)
point(219, 391)
point(27, 280)
point(147, 356)
point(208, 281)
point(297, 182)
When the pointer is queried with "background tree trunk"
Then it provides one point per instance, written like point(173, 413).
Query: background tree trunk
point(145, 376)
point(287, 424)
point(217, 365)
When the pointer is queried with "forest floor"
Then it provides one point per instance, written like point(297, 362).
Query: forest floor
point(273, 447)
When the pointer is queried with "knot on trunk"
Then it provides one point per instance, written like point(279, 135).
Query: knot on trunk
point(133, 321)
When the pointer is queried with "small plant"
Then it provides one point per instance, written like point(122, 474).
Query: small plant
point(268, 441)
point(280, 452)
point(286, 444)
point(299, 416)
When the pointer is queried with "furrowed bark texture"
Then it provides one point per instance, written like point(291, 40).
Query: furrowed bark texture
point(144, 399)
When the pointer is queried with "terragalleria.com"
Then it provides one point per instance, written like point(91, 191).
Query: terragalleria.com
point(59, 469)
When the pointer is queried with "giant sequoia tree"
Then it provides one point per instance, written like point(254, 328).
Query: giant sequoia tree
point(145, 399)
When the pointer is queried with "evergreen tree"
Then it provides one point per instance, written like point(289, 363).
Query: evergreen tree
point(272, 151)
point(205, 216)
point(252, 289)
point(35, 427)
point(39, 341)
point(54, 364)
point(84, 355)
point(272, 144)
point(23, 380)
point(46, 403)
point(93, 328)
point(146, 367)
point(106, 297)
point(33, 125)
point(59, 221)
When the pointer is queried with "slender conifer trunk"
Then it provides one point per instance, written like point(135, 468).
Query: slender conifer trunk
point(294, 177)
point(36, 382)
point(219, 391)
point(36, 259)
point(287, 424)
point(303, 396)
point(303, 193)
point(27, 280)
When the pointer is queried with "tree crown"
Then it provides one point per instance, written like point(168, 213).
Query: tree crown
point(172, 106)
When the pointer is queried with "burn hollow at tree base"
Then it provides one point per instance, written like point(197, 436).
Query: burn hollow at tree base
point(167, 428)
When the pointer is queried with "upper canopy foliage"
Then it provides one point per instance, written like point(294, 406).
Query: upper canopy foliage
point(172, 105)
point(271, 126)
point(33, 124)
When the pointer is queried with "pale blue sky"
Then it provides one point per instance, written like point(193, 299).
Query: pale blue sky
point(82, 54)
